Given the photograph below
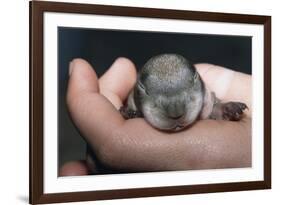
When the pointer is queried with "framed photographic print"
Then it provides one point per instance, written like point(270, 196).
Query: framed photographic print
point(136, 102)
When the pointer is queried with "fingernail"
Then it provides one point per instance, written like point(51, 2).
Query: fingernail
point(70, 67)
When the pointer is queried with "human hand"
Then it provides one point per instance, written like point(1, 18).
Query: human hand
point(133, 145)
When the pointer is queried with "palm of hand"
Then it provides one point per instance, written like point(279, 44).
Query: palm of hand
point(134, 145)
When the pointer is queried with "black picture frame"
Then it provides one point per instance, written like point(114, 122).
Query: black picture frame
point(37, 9)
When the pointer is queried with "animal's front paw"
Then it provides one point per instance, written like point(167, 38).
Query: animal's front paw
point(233, 111)
point(128, 113)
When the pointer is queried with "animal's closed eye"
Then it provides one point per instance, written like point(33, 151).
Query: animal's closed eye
point(143, 88)
point(141, 85)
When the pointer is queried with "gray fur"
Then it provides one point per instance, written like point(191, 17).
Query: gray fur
point(169, 92)
point(170, 95)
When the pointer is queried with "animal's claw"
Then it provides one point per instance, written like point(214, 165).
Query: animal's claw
point(233, 111)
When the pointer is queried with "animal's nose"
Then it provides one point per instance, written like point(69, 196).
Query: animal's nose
point(176, 117)
point(175, 112)
point(175, 109)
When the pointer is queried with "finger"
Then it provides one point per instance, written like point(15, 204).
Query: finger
point(228, 85)
point(91, 112)
point(118, 81)
point(216, 78)
point(82, 78)
point(74, 168)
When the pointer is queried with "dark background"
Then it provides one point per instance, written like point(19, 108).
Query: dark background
point(101, 47)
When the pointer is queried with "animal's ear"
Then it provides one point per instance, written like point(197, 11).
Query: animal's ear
point(195, 77)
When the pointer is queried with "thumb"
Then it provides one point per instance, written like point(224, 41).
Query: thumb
point(82, 78)
point(93, 114)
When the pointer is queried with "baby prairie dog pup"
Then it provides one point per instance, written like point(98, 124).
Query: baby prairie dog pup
point(170, 95)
